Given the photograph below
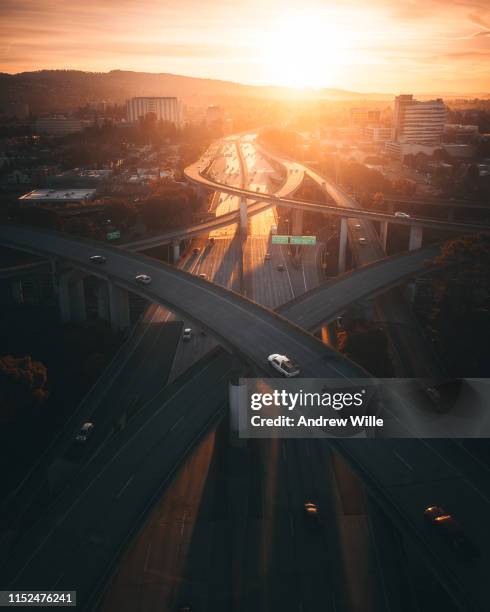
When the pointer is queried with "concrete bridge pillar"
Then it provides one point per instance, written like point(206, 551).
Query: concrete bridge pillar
point(118, 307)
point(175, 251)
point(384, 234)
point(415, 240)
point(342, 245)
point(17, 290)
point(237, 398)
point(243, 217)
point(297, 226)
point(71, 297)
point(103, 300)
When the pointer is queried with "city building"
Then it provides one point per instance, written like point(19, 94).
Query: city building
point(57, 196)
point(419, 122)
point(454, 132)
point(363, 116)
point(164, 109)
point(214, 115)
point(379, 133)
point(59, 125)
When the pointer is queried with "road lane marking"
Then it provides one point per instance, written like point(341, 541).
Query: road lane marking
point(176, 423)
point(148, 552)
point(404, 461)
point(125, 487)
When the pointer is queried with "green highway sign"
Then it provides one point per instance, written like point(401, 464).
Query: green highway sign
point(276, 239)
point(308, 240)
point(114, 235)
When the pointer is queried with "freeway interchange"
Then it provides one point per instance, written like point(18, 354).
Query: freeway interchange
point(238, 323)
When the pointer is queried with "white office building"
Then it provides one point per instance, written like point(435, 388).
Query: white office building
point(164, 109)
point(417, 122)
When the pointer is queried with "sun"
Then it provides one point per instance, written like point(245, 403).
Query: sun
point(303, 50)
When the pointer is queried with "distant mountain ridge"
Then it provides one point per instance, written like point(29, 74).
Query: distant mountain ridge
point(48, 91)
point(63, 90)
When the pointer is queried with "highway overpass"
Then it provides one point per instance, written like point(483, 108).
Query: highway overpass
point(322, 304)
point(344, 201)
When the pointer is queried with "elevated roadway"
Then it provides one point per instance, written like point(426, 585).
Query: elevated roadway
point(322, 304)
point(343, 200)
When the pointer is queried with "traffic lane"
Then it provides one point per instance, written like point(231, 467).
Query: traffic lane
point(416, 478)
point(78, 540)
point(164, 568)
point(240, 324)
point(269, 286)
point(146, 374)
point(289, 562)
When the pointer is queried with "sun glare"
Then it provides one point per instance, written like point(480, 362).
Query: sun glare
point(304, 51)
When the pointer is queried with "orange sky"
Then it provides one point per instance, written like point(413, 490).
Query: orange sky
point(362, 45)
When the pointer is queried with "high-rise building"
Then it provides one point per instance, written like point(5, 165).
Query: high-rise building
point(418, 122)
point(164, 109)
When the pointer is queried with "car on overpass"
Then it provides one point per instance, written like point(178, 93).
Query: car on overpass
point(98, 259)
point(283, 365)
point(144, 279)
point(402, 215)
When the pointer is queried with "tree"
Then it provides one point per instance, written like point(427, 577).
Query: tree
point(23, 385)
point(368, 348)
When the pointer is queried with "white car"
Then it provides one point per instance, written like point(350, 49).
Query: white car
point(144, 279)
point(203, 276)
point(283, 365)
point(357, 226)
point(362, 241)
point(187, 335)
point(85, 432)
point(98, 259)
point(403, 215)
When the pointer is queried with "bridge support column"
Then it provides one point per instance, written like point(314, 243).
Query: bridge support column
point(237, 398)
point(71, 297)
point(415, 240)
point(297, 227)
point(17, 290)
point(342, 245)
point(175, 251)
point(243, 217)
point(384, 234)
point(118, 307)
point(103, 301)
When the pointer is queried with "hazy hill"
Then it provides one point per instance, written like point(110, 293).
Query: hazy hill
point(61, 90)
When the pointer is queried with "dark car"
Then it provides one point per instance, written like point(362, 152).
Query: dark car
point(311, 513)
point(446, 524)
